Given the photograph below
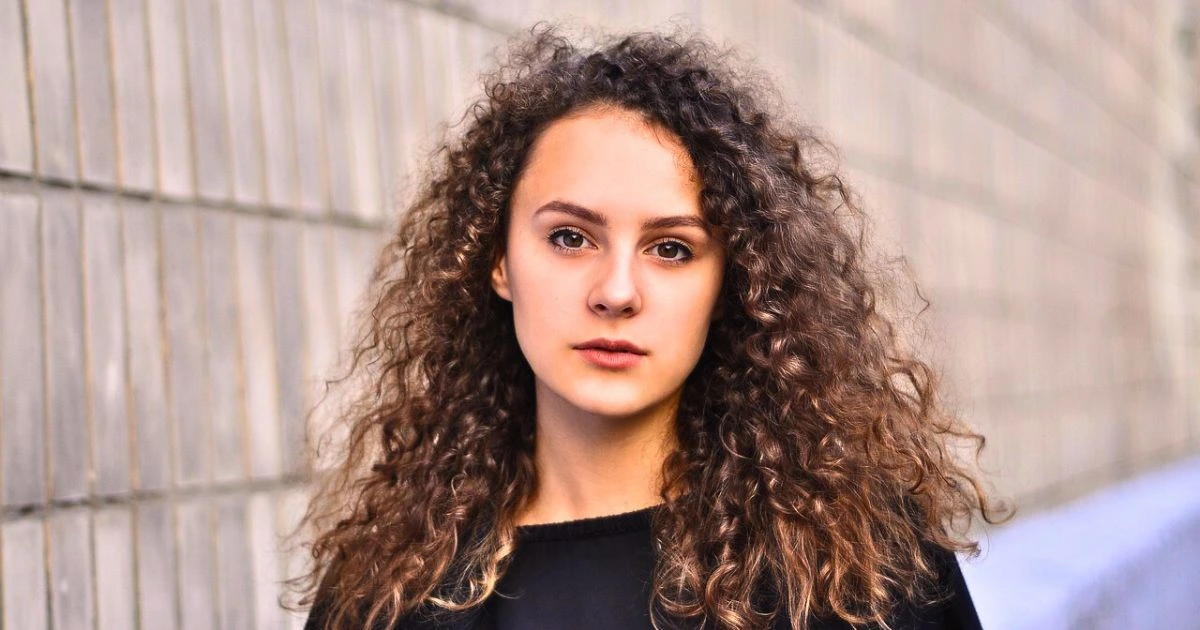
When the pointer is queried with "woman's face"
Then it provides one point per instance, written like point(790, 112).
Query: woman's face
point(610, 268)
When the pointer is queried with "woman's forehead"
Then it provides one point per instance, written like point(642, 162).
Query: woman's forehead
point(606, 159)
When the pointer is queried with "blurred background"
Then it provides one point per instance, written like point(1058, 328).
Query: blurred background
point(192, 192)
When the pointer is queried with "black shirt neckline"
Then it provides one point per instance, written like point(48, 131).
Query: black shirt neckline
point(592, 527)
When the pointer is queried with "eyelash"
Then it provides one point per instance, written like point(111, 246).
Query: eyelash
point(686, 251)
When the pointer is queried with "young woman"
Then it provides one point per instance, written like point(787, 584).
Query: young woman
point(624, 369)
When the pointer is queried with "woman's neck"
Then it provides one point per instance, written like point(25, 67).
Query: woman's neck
point(590, 465)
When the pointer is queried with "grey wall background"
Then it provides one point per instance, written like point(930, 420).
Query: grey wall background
point(191, 192)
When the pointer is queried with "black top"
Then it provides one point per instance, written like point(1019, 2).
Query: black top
point(595, 574)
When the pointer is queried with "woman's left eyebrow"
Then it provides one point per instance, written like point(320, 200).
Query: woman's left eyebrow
point(660, 223)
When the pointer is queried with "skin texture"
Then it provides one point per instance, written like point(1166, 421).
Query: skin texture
point(603, 433)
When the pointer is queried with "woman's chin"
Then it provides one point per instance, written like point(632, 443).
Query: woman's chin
point(619, 408)
point(615, 399)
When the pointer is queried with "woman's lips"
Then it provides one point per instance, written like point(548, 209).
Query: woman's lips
point(613, 360)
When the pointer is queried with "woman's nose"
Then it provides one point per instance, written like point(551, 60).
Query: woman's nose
point(616, 291)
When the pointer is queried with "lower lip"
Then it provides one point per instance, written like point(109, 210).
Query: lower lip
point(610, 360)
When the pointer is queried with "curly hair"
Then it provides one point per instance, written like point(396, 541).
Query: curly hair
point(814, 459)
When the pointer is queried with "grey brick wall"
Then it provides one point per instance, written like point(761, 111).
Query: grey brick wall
point(191, 192)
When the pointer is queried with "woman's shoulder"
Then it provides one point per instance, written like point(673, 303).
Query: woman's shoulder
point(947, 603)
point(423, 619)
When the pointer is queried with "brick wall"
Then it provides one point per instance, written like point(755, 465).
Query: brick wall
point(191, 192)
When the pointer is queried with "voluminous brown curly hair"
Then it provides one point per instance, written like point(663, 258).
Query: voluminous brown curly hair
point(813, 461)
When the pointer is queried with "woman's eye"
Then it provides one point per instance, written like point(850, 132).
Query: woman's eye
point(671, 250)
point(568, 239)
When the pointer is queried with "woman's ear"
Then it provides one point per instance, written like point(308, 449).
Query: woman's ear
point(500, 279)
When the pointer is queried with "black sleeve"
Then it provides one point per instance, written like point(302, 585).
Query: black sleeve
point(960, 611)
point(317, 618)
point(318, 615)
point(952, 608)
point(319, 611)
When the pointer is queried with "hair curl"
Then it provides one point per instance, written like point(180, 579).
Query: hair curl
point(813, 462)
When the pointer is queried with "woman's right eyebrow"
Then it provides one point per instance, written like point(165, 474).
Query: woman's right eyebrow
point(577, 211)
